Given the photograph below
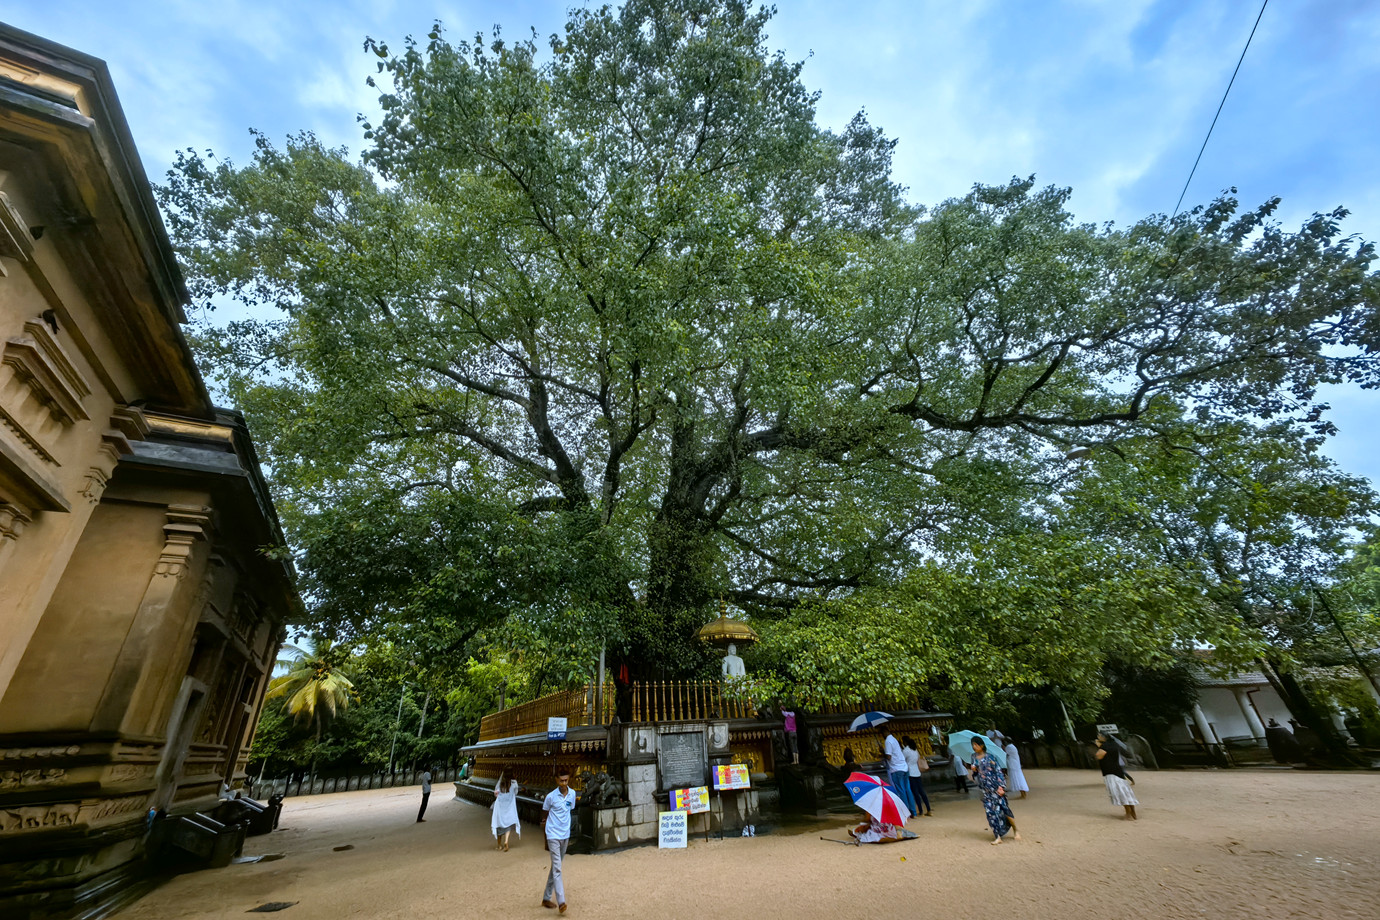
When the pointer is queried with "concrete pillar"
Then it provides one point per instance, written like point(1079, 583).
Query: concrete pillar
point(131, 680)
point(1252, 720)
point(1204, 729)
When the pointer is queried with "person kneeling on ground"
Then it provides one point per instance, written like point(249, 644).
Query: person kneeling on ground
point(874, 831)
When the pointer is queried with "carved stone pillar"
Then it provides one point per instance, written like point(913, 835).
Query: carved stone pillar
point(132, 677)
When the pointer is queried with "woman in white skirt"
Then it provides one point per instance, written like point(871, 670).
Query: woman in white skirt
point(1114, 775)
point(1015, 776)
point(505, 817)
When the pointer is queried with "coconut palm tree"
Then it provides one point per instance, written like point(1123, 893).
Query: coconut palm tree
point(315, 687)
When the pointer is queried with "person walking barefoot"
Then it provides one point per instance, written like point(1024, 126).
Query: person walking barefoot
point(1114, 775)
point(555, 822)
point(505, 815)
point(916, 764)
point(993, 785)
point(1015, 776)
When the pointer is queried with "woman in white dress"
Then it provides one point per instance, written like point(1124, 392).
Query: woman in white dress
point(505, 817)
point(1114, 775)
point(1015, 776)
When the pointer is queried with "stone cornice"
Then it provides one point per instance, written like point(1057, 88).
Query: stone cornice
point(40, 362)
point(59, 110)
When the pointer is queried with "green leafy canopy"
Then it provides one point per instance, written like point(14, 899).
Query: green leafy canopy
point(601, 333)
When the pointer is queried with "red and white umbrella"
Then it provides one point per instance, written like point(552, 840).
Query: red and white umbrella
point(877, 798)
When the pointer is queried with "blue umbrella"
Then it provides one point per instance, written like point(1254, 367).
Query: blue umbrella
point(961, 743)
point(868, 720)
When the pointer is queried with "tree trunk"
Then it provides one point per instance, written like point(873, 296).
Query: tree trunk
point(1334, 746)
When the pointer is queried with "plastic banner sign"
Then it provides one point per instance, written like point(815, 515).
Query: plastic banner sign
point(694, 800)
point(673, 830)
point(732, 776)
point(555, 728)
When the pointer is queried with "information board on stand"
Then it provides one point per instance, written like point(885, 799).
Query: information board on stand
point(731, 776)
point(673, 830)
point(694, 800)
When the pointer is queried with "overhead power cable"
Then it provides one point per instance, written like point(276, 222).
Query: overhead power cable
point(1219, 108)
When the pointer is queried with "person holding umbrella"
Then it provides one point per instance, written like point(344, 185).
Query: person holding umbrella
point(987, 773)
point(886, 812)
point(895, 758)
point(1109, 757)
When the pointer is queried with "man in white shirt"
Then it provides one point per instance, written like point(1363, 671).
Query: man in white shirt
point(426, 794)
point(555, 820)
point(900, 774)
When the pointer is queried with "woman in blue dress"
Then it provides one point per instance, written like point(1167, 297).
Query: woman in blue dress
point(993, 785)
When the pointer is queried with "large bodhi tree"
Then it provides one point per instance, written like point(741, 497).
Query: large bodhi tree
point(634, 312)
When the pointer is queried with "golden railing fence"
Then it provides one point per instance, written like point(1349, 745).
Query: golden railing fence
point(687, 701)
point(577, 706)
point(652, 701)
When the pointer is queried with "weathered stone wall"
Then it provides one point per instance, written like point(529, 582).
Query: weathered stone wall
point(139, 619)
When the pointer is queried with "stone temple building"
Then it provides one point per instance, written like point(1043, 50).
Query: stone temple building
point(140, 615)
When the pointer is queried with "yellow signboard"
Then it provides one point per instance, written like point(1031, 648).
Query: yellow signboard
point(694, 800)
point(732, 776)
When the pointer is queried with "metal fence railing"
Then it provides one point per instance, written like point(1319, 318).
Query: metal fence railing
point(577, 707)
point(687, 701)
point(319, 785)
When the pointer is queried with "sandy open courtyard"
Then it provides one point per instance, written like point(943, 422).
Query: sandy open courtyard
point(1228, 844)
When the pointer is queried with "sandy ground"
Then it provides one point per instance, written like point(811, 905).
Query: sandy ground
point(1257, 844)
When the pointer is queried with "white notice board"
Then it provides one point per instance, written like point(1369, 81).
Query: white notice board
point(673, 829)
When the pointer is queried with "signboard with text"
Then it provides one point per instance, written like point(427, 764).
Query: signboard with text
point(731, 776)
point(694, 800)
point(555, 728)
point(1107, 728)
point(673, 829)
point(682, 759)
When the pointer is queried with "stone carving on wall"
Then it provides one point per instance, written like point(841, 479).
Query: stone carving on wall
point(15, 779)
point(602, 790)
point(39, 753)
point(130, 772)
point(38, 817)
point(112, 808)
point(16, 820)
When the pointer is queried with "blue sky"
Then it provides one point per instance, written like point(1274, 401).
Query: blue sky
point(1112, 98)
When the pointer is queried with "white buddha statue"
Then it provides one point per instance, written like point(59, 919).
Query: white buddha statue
point(733, 665)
